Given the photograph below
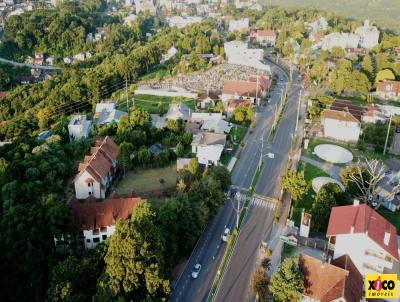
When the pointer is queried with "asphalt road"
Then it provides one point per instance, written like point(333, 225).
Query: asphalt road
point(209, 249)
point(235, 285)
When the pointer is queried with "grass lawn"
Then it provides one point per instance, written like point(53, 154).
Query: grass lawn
point(393, 217)
point(150, 102)
point(147, 180)
point(310, 172)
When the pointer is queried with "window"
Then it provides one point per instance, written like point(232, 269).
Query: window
point(96, 232)
point(96, 239)
point(90, 193)
point(89, 184)
point(104, 237)
point(88, 240)
point(103, 229)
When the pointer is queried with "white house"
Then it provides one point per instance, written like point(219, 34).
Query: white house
point(237, 52)
point(241, 25)
point(145, 5)
point(95, 221)
point(79, 57)
point(130, 19)
point(208, 147)
point(79, 127)
point(178, 111)
point(106, 113)
point(365, 236)
point(373, 115)
point(200, 117)
point(340, 125)
point(318, 25)
point(388, 90)
point(369, 35)
point(343, 40)
point(97, 171)
point(207, 99)
point(217, 126)
point(169, 55)
point(388, 193)
point(264, 37)
point(181, 22)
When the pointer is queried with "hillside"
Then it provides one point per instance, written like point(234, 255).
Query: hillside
point(386, 13)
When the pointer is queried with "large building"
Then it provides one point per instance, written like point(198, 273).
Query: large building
point(369, 35)
point(97, 170)
point(365, 236)
point(237, 52)
point(95, 220)
point(342, 40)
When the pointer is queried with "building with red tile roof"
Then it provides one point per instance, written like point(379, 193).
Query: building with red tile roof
point(97, 170)
point(253, 89)
point(388, 90)
point(340, 125)
point(365, 236)
point(264, 37)
point(325, 282)
point(95, 220)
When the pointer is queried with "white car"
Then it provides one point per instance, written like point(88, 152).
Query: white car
point(196, 270)
point(225, 235)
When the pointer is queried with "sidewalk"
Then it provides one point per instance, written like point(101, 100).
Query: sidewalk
point(332, 170)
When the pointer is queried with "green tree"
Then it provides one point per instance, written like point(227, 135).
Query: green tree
point(74, 279)
point(124, 156)
point(385, 74)
point(181, 185)
point(193, 166)
point(173, 126)
point(295, 183)
point(139, 118)
point(160, 108)
point(322, 205)
point(287, 283)
point(337, 52)
point(367, 66)
point(134, 258)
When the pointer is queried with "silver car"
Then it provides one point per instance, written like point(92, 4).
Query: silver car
point(196, 270)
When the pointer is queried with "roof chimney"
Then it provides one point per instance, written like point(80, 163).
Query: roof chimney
point(386, 238)
point(356, 202)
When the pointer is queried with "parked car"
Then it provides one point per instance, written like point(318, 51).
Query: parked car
point(196, 270)
point(398, 129)
point(225, 235)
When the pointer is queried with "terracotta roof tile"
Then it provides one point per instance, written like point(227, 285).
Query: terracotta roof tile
point(242, 88)
point(362, 219)
point(346, 105)
point(325, 282)
point(91, 214)
point(338, 115)
point(100, 162)
point(388, 86)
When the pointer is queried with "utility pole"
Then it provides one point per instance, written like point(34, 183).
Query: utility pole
point(126, 94)
point(238, 211)
point(297, 115)
point(261, 151)
point(387, 134)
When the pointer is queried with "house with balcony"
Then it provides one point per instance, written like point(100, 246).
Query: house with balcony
point(97, 171)
point(365, 236)
point(95, 220)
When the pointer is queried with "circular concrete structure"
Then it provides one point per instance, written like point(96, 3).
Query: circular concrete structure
point(333, 153)
point(318, 182)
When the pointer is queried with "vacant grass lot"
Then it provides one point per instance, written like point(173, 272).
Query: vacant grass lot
point(150, 102)
point(148, 180)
